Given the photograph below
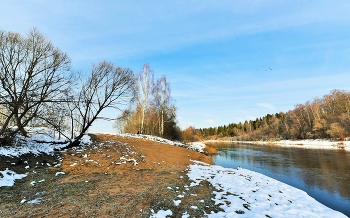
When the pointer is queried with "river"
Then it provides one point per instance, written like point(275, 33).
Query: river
point(323, 173)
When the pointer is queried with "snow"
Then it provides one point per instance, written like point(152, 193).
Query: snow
point(255, 195)
point(196, 146)
point(305, 143)
point(8, 177)
point(23, 201)
point(39, 140)
point(315, 143)
point(34, 201)
point(161, 214)
point(185, 215)
point(60, 173)
point(177, 202)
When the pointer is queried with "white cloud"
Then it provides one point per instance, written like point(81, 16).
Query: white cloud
point(266, 105)
point(210, 121)
point(250, 117)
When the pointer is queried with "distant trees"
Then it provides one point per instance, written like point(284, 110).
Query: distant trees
point(191, 134)
point(327, 117)
point(37, 88)
point(153, 112)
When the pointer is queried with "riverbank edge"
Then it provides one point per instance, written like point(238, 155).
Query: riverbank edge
point(307, 143)
point(169, 172)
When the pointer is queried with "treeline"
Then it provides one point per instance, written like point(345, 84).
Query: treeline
point(152, 111)
point(321, 118)
point(38, 88)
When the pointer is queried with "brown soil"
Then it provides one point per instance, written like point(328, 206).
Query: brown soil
point(113, 177)
point(108, 149)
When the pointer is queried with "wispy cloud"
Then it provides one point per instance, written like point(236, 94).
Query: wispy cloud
point(266, 105)
point(249, 117)
point(210, 121)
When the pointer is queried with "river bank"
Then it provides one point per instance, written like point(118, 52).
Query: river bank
point(307, 143)
point(140, 176)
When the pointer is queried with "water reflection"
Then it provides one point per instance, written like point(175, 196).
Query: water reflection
point(323, 173)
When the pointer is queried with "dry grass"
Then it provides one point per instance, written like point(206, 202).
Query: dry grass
point(210, 149)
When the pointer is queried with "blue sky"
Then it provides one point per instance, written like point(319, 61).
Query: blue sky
point(226, 61)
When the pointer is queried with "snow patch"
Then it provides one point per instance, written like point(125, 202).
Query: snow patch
point(177, 202)
point(161, 214)
point(35, 201)
point(197, 146)
point(8, 177)
point(59, 173)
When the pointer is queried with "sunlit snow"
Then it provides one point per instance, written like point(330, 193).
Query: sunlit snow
point(241, 191)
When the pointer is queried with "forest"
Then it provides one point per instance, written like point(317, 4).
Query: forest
point(320, 118)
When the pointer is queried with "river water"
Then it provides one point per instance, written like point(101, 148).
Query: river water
point(323, 173)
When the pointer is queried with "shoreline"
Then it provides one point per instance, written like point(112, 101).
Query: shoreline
point(306, 143)
point(183, 184)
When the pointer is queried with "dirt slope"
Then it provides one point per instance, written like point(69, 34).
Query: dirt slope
point(108, 151)
point(113, 177)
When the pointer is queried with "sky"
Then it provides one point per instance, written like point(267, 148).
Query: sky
point(226, 61)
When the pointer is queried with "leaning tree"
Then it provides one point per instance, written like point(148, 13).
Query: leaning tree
point(33, 72)
point(106, 86)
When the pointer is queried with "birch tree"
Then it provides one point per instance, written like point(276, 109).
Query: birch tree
point(144, 88)
point(162, 102)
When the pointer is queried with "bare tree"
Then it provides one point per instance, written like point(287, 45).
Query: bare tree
point(106, 87)
point(32, 72)
point(163, 103)
point(144, 88)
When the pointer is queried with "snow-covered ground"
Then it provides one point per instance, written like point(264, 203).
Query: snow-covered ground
point(246, 192)
point(316, 143)
point(306, 143)
point(40, 140)
point(196, 146)
point(239, 191)
point(36, 144)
